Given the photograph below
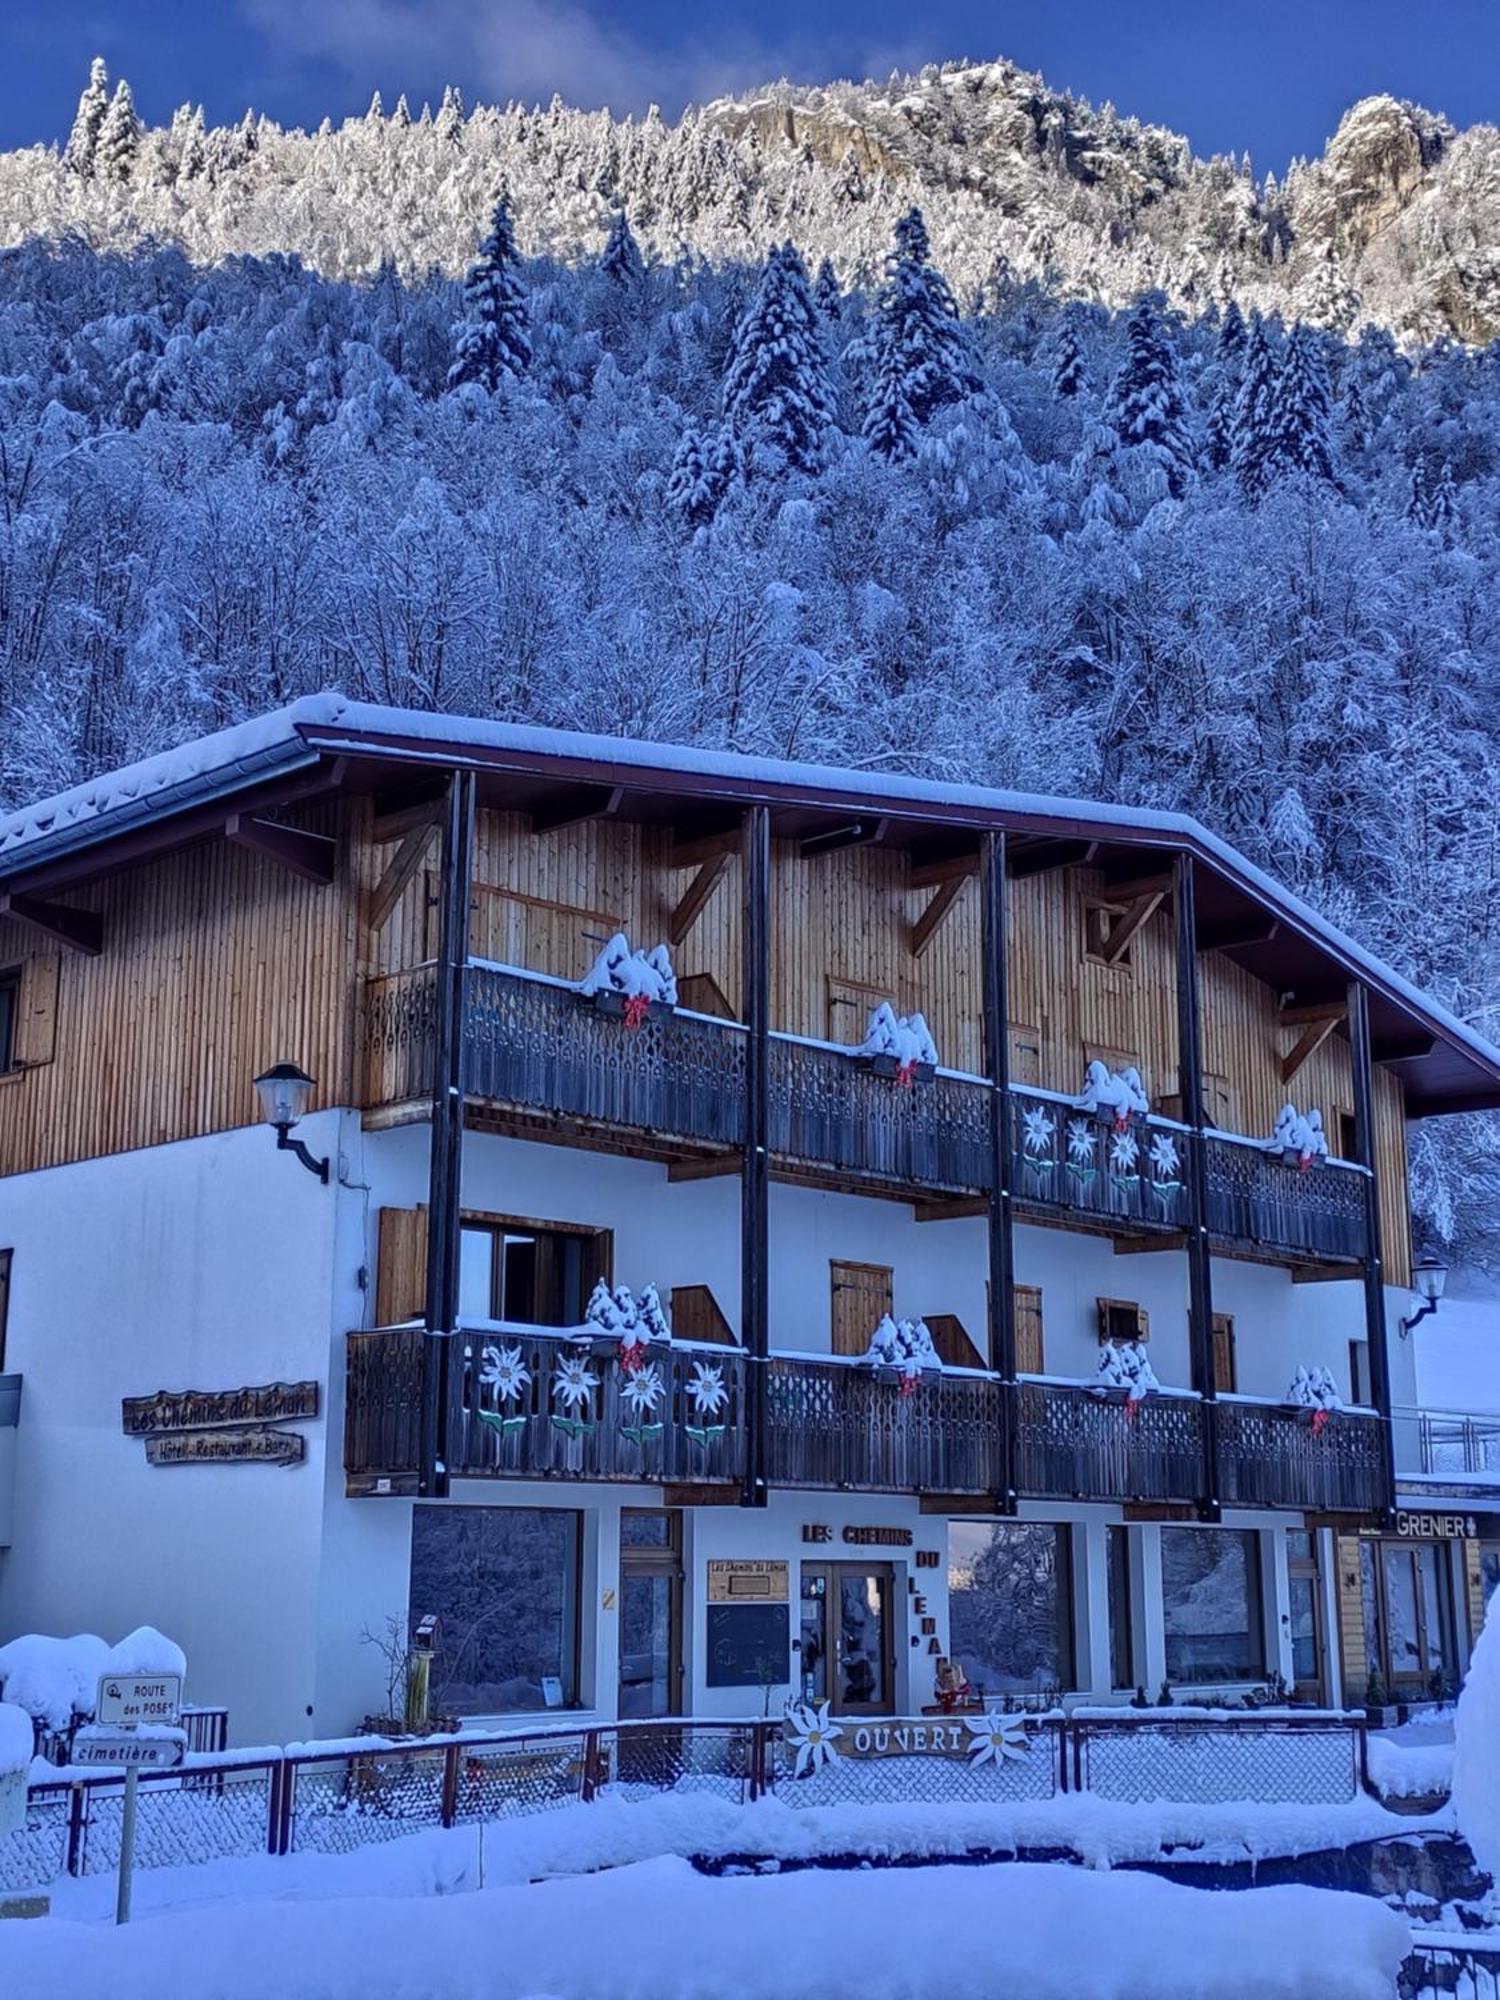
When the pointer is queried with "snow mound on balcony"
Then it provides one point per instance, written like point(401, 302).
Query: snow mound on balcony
point(1476, 1749)
point(660, 1928)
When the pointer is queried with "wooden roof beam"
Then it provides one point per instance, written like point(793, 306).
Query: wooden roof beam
point(692, 850)
point(1313, 1014)
point(1044, 855)
point(1237, 933)
point(926, 928)
point(399, 871)
point(952, 867)
point(396, 822)
point(1139, 913)
point(695, 898)
point(1306, 1046)
point(1130, 889)
point(310, 855)
point(78, 930)
point(855, 833)
point(575, 805)
point(1401, 1048)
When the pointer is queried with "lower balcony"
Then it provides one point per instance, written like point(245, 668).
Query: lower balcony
point(1072, 1443)
point(832, 1423)
point(1270, 1455)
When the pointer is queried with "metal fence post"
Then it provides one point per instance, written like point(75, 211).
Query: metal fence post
point(449, 1808)
point(590, 1766)
point(77, 1829)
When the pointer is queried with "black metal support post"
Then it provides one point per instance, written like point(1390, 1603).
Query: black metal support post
point(444, 1200)
point(1000, 1219)
point(755, 1187)
point(1190, 1085)
point(1373, 1269)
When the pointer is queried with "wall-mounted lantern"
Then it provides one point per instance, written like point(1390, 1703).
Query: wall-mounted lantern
point(284, 1092)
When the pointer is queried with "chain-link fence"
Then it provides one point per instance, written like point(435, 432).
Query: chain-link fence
point(334, 1799)
point(1450, 1969)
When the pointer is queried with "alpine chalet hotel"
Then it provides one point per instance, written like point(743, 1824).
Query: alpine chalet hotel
point(707, 1231)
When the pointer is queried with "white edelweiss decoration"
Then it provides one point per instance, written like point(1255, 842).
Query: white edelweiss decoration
point(644, 1390)
point(573, 1382)
point(503, 1370)
point(1124, 1151)
point(706, 1388)
point(1080, 1142)
point(813, 1735)
point(1164, 1158)
point(996, 1739)
point(1038, 1130)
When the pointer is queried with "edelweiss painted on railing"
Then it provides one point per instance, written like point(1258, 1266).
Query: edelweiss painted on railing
point(1133, 1169)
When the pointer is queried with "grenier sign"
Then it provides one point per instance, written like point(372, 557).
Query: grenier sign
point(1435, 1527)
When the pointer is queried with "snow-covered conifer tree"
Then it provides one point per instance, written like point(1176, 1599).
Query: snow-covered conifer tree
point(1442, 504)
point(921, 351)
point(1146, 406)
point(1301, 407)
point(119, 137)
point(493, 339)
point(83, 140)
point(1253, 452)
point(1069, 369)
point(776, 384)
point(827, 296)
point(621, 258)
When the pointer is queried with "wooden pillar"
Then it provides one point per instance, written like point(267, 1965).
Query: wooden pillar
point(1374, 1267)
point(444, 1197)
point(1190, 1085)
point(994, 893)
point(755, 1204)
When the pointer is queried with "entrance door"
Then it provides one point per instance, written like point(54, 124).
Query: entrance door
point(650, 1613)
point(847, 1648)
point(1306, 1612)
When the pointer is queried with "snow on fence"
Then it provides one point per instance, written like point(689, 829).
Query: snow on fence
point(333, 1797)
point(1451, 1968)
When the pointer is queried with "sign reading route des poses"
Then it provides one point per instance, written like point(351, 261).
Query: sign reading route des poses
point(125, 1701)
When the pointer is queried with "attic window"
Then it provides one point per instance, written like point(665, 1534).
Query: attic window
point(1101, 920)
point(1122, 1321)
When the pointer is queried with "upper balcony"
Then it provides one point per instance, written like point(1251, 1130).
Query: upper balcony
point(541, 1059)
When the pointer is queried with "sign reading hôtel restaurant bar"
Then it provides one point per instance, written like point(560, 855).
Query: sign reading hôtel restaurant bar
point(222, 1426)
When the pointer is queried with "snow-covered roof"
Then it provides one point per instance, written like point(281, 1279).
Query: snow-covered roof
point(329, 724)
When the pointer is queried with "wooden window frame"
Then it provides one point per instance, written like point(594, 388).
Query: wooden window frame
point(1359, 1373)
point(523, 1225)
point(1142, 1321)
point(11, 979)
point(1100, 912)
point(1224, 1325)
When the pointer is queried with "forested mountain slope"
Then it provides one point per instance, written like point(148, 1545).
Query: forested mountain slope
point(1180, 557)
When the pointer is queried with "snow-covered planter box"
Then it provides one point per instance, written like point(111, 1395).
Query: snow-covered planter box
point(607, 1001)
point(630, 985)
point(897, 1046)
point(901, 1351)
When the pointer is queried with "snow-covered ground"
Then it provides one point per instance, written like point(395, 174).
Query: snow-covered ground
point(1415, 1761)
point(660, 1929)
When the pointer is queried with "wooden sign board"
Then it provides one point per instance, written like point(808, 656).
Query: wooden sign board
point(211, 1409)
point(748, 1580)
point(124, 1701)
point(254, 1445)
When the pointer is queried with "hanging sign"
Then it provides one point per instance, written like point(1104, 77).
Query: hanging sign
point(209, 1409)
point(253, 1445)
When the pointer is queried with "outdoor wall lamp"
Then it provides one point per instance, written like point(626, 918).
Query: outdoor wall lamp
point(284, 1091)
point(1428, 1278)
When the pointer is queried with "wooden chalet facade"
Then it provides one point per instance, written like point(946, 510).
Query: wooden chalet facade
point(405, 906)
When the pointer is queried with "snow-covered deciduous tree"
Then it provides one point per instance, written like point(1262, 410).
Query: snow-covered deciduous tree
point(493, 339)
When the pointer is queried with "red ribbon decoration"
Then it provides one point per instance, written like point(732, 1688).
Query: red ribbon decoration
point(910, 1384)
point(1122, 1123)
point(1320, 1422)
point(905, 1074)
point(636, 1008)
point(1132, 1404)
point(632, 1354)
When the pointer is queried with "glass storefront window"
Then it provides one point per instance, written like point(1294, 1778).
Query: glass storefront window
point(503, 1582)
point(1010, 1611)
point(1210, 1580)
point(1407, 1594)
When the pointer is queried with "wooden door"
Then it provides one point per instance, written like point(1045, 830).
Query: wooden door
point(1225, 1381)
point(860, 1299)
point(1029, 1352)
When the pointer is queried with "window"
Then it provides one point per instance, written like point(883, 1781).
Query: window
point(10, 1016)
point(504, 1583)
point(650, 1612)
point(1225, 1383)
point(1123, 1320)
point(1348, 1127)
point(1029, 1350)
point(531, 1273)
point(860, 1299)
point(1010, 1609)
point(1121, 1632)
point(1359, 1372)
point(1406, 1591)
point(5, 1257)
point(1103, 923)
point(1210, 1583)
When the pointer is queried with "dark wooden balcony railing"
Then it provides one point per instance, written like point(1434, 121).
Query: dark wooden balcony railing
point(1064, 1158)
point(1075, 1444)
point(536, 1049)
point(1253, 1197)
point(835, 1424)
point(1271, 1456)
point(526, 1404)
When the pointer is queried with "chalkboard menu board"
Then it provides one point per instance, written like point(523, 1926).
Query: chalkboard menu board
point(748, 1645)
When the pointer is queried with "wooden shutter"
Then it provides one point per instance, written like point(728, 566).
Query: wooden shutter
point(1224, 1359)
point(696, 1315)
point(860, 1299)
point(401, 1266)
point(702, 994)
point(951, 1339)
point(1123, 1320)
point(1029, 1358)
point(1356, 1668)
point(36, 1010)
point(1025, 1053)
point(850, 1003)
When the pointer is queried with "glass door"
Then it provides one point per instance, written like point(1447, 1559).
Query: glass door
point(650, 1613)
point(1306, 1615)
point(846, 1657)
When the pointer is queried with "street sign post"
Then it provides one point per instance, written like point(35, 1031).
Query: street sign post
point(126, 1704)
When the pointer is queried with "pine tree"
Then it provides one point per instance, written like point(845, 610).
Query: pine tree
point(1069, 371)
point(1251, 454)
point(1146, 406)
point(776, 384)
point(1354, 418)
point(1442, 505)
point(1416, 496)
point(1232, 337)
point(119, 137)
point(1301, 408)
point(83, 140)
point(621, 258)
point(701, 475)
point(922, 359)
point(493, 339)
point(827, 296)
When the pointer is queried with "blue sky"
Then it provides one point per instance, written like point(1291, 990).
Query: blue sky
point(1268, 75)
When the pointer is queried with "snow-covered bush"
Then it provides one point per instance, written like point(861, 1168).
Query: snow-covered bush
point(1299, 1134)
point(1119, 1092)
point(1126, 1365)
point(1313, 1389)
point(619, 968)
point(905, 1345)
point(57, 1681)
point(621, 1316)
point(906, 1038)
